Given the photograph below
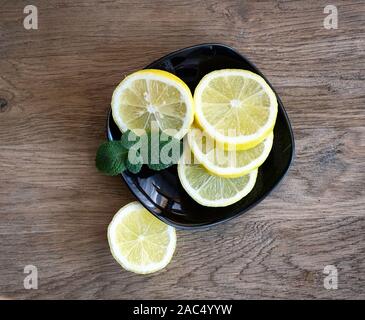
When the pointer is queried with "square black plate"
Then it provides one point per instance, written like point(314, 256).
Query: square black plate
point(161, 192)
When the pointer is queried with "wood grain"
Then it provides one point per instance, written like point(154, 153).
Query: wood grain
point(55, 89)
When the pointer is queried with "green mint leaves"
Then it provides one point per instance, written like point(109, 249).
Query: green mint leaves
point(156, 149)
point(110, 158)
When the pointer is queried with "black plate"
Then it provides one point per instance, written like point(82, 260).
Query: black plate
point(161, 192)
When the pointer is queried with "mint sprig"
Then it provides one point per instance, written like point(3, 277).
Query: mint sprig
point(110, 158)
point(132, 151)
point(165, 152)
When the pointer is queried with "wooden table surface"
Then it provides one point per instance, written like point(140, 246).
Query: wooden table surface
point(55, 88)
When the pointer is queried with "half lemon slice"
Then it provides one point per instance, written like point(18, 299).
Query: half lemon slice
point(235, 107)
point(140, 242)
point(150, 95)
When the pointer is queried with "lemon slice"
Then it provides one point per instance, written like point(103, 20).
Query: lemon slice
point(157, 96)
point(139, 241)
point(229, 164)
point(235, 107)
point(211, 190)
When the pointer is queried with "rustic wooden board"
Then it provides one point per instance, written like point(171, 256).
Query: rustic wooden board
point(55, 88)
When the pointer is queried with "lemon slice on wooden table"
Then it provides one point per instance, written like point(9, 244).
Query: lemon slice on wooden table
point(139, 241)
point(210, 190)
point(227, 163)
point(151, 95)
point(235, 107)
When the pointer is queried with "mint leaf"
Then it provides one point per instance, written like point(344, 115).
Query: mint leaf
point(158, 166)
point(134, 161)
point(165, 154)
point(156, 149)
point(133, 167)
point(129, 139)
point(110, 158)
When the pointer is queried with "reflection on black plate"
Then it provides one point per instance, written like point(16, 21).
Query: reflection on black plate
point(161, 192)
